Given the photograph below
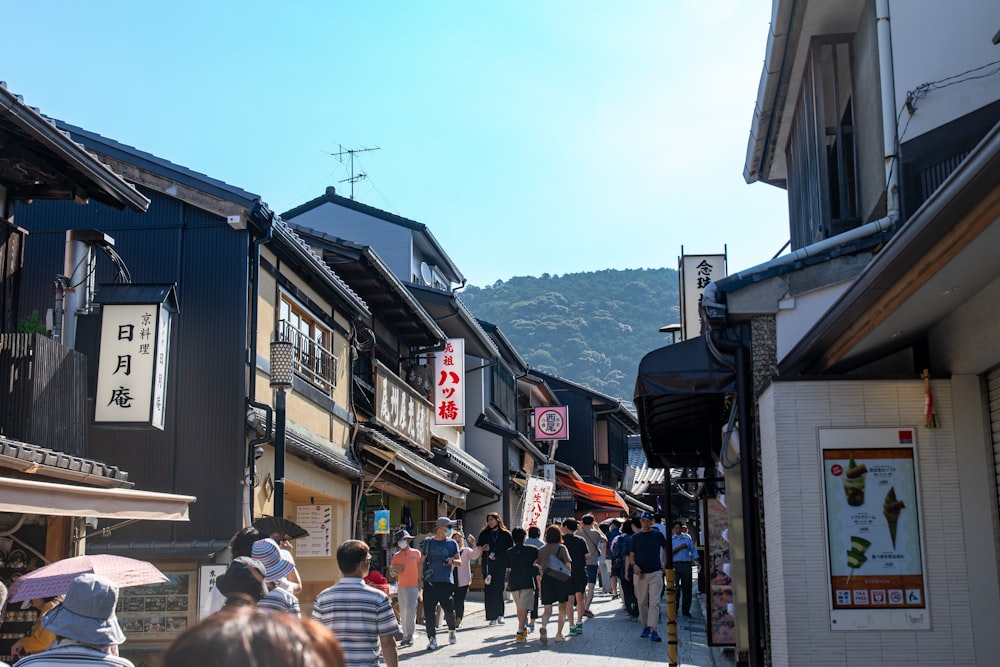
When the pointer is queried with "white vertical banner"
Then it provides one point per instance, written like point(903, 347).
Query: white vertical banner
point(696, 272)
point(449, 383)
point(131, 371)
point(537, 499)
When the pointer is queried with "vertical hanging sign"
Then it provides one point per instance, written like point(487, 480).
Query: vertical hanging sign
point(537, 499)
point(134, 355)
point(696, 272)
point(449, 383)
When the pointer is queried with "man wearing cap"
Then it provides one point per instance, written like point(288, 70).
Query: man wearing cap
point(407, 567)
point(278, 564)
point(86, 628)
point(646, 562)
point(439, 557)
point(685, 555)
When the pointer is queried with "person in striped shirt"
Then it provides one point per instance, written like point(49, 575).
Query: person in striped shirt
point(361, 616)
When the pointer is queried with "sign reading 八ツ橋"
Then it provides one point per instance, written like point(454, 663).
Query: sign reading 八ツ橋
point(537, 499)
point(874, 543)
point(134, 355)
point(696, 272)
point(449, 383)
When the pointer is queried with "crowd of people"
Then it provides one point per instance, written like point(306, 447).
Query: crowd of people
point(353, 622)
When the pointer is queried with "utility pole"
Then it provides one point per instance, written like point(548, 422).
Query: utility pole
point(341, 152)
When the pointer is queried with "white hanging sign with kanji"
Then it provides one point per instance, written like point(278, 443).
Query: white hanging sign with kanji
point(449, 384)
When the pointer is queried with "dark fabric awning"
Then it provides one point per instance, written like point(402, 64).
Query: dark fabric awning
point(680, 399)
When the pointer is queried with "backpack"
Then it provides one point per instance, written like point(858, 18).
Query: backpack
point(619, 550)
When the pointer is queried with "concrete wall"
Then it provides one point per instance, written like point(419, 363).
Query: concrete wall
point(798, 571)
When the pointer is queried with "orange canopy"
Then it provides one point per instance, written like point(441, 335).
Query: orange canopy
point(599, 495)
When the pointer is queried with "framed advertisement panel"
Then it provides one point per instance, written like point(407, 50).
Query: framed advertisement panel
point(875, 551)
point(719, 618)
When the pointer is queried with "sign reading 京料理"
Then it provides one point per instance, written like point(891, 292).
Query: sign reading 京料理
point(875, 548)
point(552, 422)
point(132, 366)
point(449, 383)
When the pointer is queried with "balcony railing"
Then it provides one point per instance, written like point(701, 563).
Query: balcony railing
point(312, 361)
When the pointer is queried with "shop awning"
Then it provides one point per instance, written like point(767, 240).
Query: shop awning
point(31, 497)
point(680, 397)
point(601, 496)
point(419, 470)
point(470, 471)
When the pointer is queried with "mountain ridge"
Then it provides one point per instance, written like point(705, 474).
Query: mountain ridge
point(592, 328)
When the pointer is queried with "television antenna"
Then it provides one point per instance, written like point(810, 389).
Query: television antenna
point(350, 152)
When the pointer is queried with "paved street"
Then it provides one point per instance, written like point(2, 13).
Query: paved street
point(608, 640)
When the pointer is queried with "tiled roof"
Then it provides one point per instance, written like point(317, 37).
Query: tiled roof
point(43, 462)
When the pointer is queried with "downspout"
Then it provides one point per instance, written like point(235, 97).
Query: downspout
point(750, 506)
point(249, 475)
point(887, 81)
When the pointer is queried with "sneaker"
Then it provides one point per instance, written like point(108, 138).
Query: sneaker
point(543, 635)
point(432, 645)
point(530, 627)
point(494, 622)
point(521, 635)
point(615, 596)
point(559, 638)
point(645, 633)
point(588, 614)
point(579, 628)
point(451, 637)
point(500, 620)
point(654, 637)
point(572, 630)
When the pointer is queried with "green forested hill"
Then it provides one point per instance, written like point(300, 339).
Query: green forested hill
point(591, 328)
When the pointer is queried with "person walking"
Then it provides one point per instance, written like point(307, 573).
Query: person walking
point(467, 552)
point(494, 541)
point(406, 564)
point(87, 632)
point(578, 552)
point(278, 564)
point(439, 554)
point(555, 591)
point(646, 561)
point(614, 530)
point(619, 550)
point(360, 616)
point(535, 539)
point(521, 562)
point(596, 541)
point(684, 554)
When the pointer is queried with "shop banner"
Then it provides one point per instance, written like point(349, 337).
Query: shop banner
point(381, 522)
point(552, 423)
point(537, 498)
point(721, 619)
point(875, 547)
point(449, 383)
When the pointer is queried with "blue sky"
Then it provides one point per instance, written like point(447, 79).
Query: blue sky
point(530, 136)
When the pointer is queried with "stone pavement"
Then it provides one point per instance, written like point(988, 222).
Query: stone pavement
point(608, 640)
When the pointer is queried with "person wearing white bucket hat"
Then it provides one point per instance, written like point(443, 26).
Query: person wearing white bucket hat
point(278, 563)
point(86, 628)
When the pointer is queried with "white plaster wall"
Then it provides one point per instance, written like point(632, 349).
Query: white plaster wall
point(932, 40)
point(790, 414)
point(797, 315)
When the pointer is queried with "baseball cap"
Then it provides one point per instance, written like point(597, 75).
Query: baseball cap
point(445, 521)
point(646, 516)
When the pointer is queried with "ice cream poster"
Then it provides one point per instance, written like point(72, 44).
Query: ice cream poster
point(873, 521)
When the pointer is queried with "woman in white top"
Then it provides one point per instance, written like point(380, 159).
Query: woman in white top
point(467, 552)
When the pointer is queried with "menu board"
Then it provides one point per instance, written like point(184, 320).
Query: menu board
point(158, 611)
point(318, 520)
point(873, 529)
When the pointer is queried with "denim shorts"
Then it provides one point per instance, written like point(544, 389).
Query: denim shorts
point(591, 574)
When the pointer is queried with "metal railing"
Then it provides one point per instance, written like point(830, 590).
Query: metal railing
point(312, 361)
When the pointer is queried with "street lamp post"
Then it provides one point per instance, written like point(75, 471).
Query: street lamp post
point(282, 362)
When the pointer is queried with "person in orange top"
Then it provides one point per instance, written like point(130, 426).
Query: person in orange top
point(40, 638)
point(407, 566)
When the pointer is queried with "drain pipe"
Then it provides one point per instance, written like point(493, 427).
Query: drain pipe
point(750, 505)
point(887, 82)
point(263, 217)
